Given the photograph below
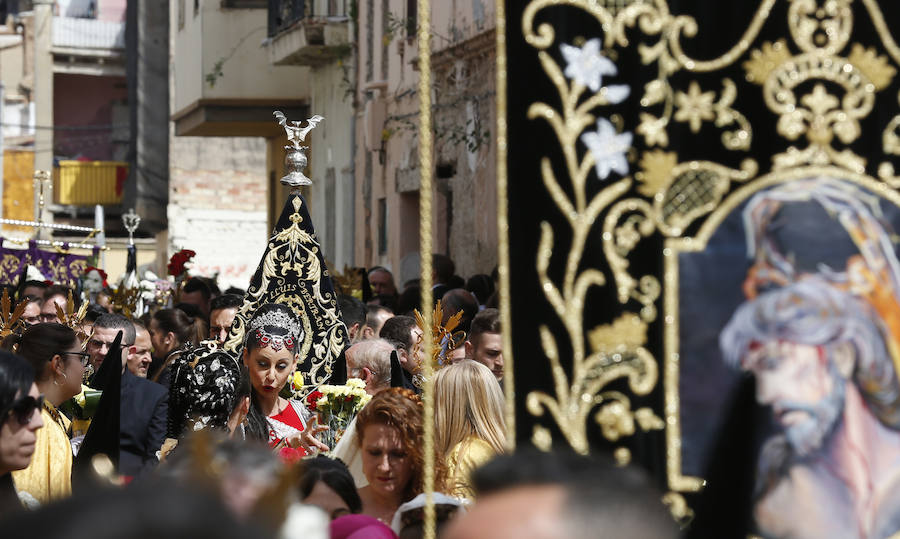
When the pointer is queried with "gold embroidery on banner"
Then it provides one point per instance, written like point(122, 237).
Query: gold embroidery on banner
point(819, 93)
point(575, 397)
point(891, 139)
point(679, 508)
point(764, 60)
point(887, 40)
point(694, 190)
point(874, 66)
point(825, 29)
point(819, 115)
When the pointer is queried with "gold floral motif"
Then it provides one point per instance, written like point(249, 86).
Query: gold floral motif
point(874, 66)
point(881, 27)
point(625, 333)
point(615, 420)
point(579, 392)
point(620, 236)
point(819, 115)
point(694, 107)
point(653, 130)
point(824, 28)
point(656, 172)
point(765, 59)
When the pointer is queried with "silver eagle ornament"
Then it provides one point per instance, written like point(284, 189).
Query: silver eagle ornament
point(296, 159)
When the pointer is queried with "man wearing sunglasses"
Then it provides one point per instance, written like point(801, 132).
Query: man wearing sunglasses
point(106, 327)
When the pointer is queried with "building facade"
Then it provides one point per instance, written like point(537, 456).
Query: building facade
point(318, 34)
point(226, 150)
point(387, 175)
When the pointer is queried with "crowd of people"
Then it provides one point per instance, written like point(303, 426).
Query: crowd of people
point(234, 431)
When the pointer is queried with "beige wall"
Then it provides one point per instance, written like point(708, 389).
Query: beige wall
point(12, 68)
point(233, 36)
point(187, 57)
point(331, 163)
point(464, 217)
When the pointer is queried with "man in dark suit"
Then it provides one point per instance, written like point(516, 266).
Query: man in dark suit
point(143, 406)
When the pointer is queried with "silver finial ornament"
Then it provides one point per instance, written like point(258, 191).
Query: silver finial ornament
point(131, 221)
point(296, 159)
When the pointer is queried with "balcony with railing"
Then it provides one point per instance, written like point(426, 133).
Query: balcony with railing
point(307, 32)
point(86, 183)
point(90, 37)
point(224, 83)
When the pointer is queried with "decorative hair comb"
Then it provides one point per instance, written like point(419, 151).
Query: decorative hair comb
point(278, 319)
point(72, 318)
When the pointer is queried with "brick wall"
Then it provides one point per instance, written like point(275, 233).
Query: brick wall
point(217, 204)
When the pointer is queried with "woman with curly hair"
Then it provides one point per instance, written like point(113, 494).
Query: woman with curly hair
point(389, 430)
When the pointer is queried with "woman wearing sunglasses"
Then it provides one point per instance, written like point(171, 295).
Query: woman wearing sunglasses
point(19, 423)
point(54, 352)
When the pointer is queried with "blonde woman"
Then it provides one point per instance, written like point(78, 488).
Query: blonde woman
point(468, 420)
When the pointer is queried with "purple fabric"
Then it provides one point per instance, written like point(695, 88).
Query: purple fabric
point(360, 527)
point(58, 267)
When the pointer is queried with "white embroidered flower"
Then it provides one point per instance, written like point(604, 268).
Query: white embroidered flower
point(586, 65)
point(616, 93)
point(608, 148)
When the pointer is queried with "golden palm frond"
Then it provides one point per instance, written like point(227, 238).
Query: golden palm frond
point(349, 282)
point(124, 300)
point(11, 320)
point(71, 318)
point(441, 335)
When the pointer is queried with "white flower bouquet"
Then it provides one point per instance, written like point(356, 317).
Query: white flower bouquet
point(336, 407)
